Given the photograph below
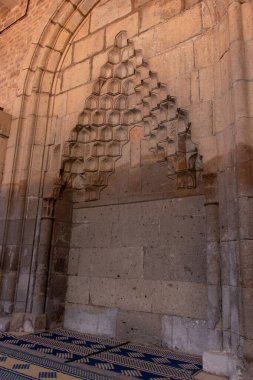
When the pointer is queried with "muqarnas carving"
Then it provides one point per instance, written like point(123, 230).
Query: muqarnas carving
point(127, 94)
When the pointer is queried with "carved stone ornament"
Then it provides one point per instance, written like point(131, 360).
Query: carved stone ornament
point(127, 94)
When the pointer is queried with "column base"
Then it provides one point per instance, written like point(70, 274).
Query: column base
point(29, 323)
point(4, 323)
point(224, 364)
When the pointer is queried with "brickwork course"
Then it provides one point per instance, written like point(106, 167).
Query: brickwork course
point(126, 173)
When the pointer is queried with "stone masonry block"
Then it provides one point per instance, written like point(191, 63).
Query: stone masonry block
point(184, 299)
point(158, 11)
point(73, 263)
point(185, 334)
point(246, 260)
point(106, 13)
point(173, 63)
point(175, 262)
point(130, 24)
point(145, 42)
point(206, 81)
point(246, 222)
point(97, 62)
point(90, 319)
point(139, 327)
point(128, 294)
point(75, 102)
point(76, 75)
point(83, 30)
point(201, 115)
point(171, 33)
point(111, 262)
point(89, 46)
point(204, 50)
point(78, 290)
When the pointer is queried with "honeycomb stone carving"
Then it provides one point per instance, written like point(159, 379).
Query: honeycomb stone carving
point(127, 94)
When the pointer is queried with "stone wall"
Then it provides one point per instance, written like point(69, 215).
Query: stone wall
point(16, 41)
point(135, 269)
point(206, 66)
point(5, 125)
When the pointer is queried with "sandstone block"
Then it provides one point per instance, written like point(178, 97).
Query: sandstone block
point(175, 262)
point(76, 75)
point(73, 263)
point(139, 327)
point(53, 60)
point(222, 38)
point(97, 62)
point(223, 112)
point(74, 21)
point(201, 116)
point(111, 262)
point(158, 11)
point(246, 222)
point(105, 13)
point(145, 42)
point(176, 85)
point(171, 33)
point(139, 3)
point(75, 103)
point(247, 15)
point(185, 334)
point(78, 290)
point(130, 24)
point(174, 63)
point(91, 320)
point(184, 299)
point(89, 46)
point(204, 50)
point(208, 149)
point(206, 83)
point(129, 294)
point(248, 46)
point(83, 30)
point(62, 40)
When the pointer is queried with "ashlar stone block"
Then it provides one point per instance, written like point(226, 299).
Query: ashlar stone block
point(91, 319)
point(76, 75)
point(89, 46)
point(105, 13)
point(171, 33)
point(129, 24)
point(158, 11)
point(78, 290)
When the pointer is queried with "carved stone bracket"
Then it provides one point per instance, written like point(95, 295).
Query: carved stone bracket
point(125, 95)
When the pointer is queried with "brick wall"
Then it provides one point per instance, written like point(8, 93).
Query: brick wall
point(16, 41)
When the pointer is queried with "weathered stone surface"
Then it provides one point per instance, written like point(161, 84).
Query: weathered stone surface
point(130, 24)
point(78, 290)
point(173, 297)
point(139, 327)
point(89, 46)
point(91, 320)
point(158, 11)
point(170, 33)
point(106, 13)
point(76, 75)
point(184, 334)
point(111, 262)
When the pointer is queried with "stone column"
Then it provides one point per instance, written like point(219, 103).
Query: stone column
point(213, 263)
point(235, 186)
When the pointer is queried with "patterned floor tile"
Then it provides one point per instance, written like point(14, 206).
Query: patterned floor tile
point(120, 358)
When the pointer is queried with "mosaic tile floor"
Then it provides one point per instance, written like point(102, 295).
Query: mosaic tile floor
point(63, 355)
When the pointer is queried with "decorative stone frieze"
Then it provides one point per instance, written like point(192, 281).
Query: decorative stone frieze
point(127, 94)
